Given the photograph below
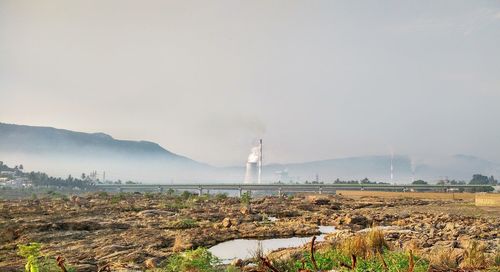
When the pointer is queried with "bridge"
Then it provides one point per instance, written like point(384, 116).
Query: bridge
point(277, 187)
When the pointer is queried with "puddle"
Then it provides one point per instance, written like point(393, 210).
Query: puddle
point(245, 248)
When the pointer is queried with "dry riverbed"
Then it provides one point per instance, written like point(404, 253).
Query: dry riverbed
point(136, 231)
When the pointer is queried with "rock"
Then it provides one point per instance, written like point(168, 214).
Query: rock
point(245, 210)
point(226, 222)
point(237, 263)
point(151, 263)
point(318, 200)
point(356, 220)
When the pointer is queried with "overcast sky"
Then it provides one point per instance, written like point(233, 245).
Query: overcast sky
point(205, 79)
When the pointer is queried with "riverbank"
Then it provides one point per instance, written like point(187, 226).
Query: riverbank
point(136, 231)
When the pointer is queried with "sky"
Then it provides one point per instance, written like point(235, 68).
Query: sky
point(206, 79)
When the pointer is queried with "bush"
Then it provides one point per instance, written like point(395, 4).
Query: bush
point(200, 260)
point(183, 224)
point(102, 194)
point(246, 198)
point(221, 196)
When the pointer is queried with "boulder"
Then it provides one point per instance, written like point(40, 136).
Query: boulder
point(356, 220)
point(227, 222)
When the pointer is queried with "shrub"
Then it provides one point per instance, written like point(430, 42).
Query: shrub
point(221, 196)
point(246, 198)
point(200, 260)
point(183, 224)
point(102, 194)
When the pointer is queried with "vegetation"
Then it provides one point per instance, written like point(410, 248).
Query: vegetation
point(183, 224)
point(419, 182)
point(200, 260)
point(246, 198)
point(35, 262)
point(362, 252)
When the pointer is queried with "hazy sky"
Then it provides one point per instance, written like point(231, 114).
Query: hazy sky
point(315, 79)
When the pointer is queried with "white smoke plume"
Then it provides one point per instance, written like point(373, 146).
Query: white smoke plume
point(254, 156)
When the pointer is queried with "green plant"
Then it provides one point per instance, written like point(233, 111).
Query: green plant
point(35, 262)
point(200, 260)
point(221, 196)
point(246, 198)
point(102, 194)
point(30, 252)
point(186, 195)
point(170, 191)
point(183, 224)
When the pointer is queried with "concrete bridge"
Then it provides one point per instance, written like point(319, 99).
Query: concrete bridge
point(279, 188)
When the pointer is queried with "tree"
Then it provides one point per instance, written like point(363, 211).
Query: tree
point(492, 181)
point(419, 182)
point(479, 179)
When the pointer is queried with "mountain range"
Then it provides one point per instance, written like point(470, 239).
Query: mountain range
point(61, 152)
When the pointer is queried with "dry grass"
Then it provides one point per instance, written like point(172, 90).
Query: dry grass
point(364, 245)
point(445, 258)
point(441, 196)
point(355, 245)
point(375, 241)
point(474, 256)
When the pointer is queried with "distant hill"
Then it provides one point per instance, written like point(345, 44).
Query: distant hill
point(377, 168)
point(32, 139)
point(62, 152)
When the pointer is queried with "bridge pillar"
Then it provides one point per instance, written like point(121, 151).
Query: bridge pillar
point(280, 192)
point(160, 189)
point(120, 189)
point(200, 191)
point(241, 191)
point(320, 190)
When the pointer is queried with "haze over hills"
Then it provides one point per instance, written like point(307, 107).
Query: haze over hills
point(61, 152)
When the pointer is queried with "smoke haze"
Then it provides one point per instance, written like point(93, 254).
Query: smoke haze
point(317, 80)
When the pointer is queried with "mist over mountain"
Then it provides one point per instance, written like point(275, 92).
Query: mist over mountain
point(61, 152)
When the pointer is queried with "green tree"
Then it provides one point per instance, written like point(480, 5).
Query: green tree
point(419, 182)
point(479, 179)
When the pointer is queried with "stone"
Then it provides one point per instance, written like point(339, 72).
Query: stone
point(226, 222)
point(356, 220)
point(151, 263)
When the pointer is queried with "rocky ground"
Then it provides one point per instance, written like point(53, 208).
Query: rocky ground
point(140, 230)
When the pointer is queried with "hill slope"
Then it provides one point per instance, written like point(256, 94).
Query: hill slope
point(63, 152)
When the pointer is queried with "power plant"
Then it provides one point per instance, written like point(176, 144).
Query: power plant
point(253, 173)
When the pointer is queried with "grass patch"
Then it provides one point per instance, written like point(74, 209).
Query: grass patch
point(182, 224)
